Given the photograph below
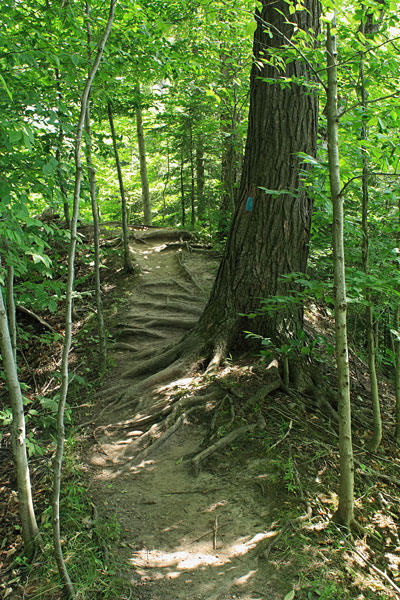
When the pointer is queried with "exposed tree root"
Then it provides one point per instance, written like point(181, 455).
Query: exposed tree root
point(189, 306)
point(153, 365)
point(131, 331)
point(171, 323)
point(188, 273)
point(163, 233)
point(171, 284)
point(224, 442)
point(34, 316)
point(163, 437)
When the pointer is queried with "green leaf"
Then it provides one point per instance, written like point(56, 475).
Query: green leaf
point(250, 28)
point(289, 596)
point(14, 136)
point(9, 94)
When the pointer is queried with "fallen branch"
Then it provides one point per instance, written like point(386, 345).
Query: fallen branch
point(34, 316)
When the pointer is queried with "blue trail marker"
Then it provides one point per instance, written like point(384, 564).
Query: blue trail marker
point(249, 204)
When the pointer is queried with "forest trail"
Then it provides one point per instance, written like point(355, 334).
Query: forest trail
point(182, 535)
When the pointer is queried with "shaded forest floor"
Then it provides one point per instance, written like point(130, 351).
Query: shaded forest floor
point(247, 519)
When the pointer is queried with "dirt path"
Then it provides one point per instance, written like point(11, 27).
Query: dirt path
point(183, 536)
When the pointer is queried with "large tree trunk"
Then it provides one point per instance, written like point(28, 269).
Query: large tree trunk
point(269, 233)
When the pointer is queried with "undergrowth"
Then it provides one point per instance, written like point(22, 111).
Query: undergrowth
point(86, 541)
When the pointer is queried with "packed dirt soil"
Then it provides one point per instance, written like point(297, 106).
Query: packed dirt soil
point(197, 529)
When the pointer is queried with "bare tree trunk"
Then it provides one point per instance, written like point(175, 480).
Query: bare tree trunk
point(375, 441)
point(67, 583)
point(143, 164)
point(96, 227)
point(12, 322)
point(192, 182)
point(128, 267)
point(397, 345)
point(254, 263)
point(58, 158)
point(200, 180)
point(397, 370)
point(165, 187)
point(30, 531)
point(182, 192)
point(345, 512)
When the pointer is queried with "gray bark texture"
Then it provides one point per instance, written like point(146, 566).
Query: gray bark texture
point(271, 239)
point(30, 531)
point(345, 512)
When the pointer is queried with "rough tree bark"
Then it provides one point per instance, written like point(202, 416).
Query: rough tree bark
point(269, 233)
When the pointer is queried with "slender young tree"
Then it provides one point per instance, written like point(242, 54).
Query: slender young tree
point(143, 162)
point(60, 142)
point(96, 226)
point(66, 581)
point(30, 531)
point(12, 321)
point(375, 441)
point(345, 512)
point(128, 266)
point(397, 345)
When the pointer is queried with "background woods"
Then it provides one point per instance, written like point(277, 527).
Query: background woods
point(262, 142)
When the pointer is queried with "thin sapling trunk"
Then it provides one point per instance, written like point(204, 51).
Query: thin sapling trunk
point(12, 321)
point(66, 581)
point(375, 441)
point(143, 164)
point(96, 226)
point(345, 512)
point(30, 531)
point(128, 266)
